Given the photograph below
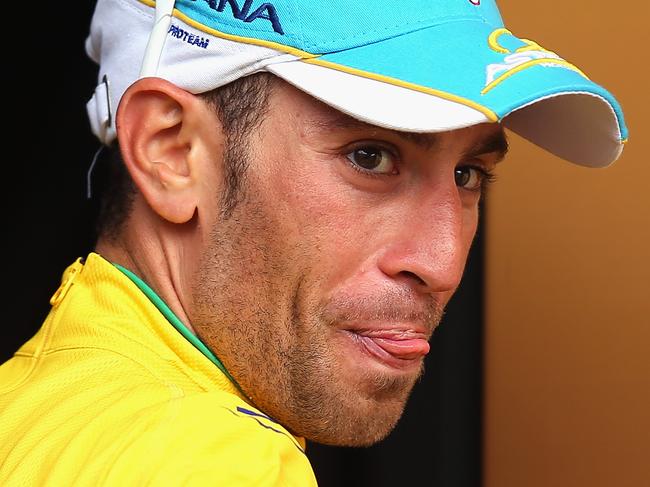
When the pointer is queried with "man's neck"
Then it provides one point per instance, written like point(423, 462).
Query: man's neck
point(147, 250)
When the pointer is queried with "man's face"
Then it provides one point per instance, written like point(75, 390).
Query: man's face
point(320, 290)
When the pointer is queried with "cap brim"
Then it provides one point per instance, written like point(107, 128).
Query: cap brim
point(449, 77)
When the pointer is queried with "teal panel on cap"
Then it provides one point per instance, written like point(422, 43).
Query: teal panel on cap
point(328, 26)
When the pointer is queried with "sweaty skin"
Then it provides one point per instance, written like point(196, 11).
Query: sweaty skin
point(320, 290)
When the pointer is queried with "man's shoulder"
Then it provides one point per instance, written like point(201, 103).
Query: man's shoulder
point(109, 418)
point(213, 437)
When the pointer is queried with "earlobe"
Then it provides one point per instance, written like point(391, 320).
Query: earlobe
point(156, 125)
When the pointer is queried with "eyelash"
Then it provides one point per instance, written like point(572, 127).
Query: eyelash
point(487, 177)
point(375, 145)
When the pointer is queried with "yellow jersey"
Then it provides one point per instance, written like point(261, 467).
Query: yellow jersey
point(109, 392)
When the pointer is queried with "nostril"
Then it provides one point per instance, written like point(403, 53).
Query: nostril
point(411, 276)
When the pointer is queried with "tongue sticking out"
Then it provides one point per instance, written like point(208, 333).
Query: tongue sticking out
point(404, 349)
point(389, 346)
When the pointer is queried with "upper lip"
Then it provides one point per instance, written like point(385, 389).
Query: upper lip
point(392, 331)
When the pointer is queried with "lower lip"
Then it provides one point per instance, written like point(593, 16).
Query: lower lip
point(400, 354)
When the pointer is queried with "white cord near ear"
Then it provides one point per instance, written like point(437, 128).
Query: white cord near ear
point(89, 173)
point(153, 53)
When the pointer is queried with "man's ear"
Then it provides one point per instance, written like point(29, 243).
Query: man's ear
point(167, 136)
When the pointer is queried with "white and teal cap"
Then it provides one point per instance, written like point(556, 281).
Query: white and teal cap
point(409, 65)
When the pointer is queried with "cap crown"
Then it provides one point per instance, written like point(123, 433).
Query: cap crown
point(334, 25)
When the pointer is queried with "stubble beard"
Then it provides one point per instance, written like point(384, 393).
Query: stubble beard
point(255, 308)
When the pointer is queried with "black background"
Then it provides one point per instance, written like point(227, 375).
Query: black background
point(49, 223)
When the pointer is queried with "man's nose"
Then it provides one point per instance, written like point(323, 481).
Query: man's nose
point(429, 247)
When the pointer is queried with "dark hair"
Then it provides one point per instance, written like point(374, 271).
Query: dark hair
point(240, 107)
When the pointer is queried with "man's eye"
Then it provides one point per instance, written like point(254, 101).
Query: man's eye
point(372, 159)
point(472, 178)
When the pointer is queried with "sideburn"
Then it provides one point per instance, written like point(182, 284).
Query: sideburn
point(236, 164)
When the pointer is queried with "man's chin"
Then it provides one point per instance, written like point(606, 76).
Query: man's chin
point(362, 416)
point(360, 433)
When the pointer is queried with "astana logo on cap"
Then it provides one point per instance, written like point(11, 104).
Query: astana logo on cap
point(527, 55)
point(265, 11)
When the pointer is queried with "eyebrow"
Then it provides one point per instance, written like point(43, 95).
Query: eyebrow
point(494, 143)
point(342, 121)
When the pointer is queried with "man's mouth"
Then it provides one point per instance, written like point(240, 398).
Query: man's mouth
point(401, 347)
